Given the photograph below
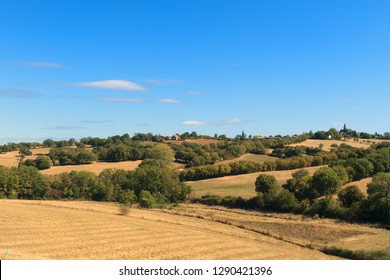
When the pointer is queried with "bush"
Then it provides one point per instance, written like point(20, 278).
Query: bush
point(124, 209)
point(42, 162)
point(126, 197)
point(286, 201)
point(146, 200)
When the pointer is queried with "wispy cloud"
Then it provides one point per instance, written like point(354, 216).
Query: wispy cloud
point(121, 100)
point(42, 64)
point(234, 121)
point(194, 123)
point(221, 122)
point(18, 93)
point(161, 82)
point(170, 101)
point(112, 85)
point(63, 127)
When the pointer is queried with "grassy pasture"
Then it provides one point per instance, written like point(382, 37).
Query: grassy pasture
point(239, 185)
point(88, 230)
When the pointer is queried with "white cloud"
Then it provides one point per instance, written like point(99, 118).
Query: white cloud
point(121, 100)
point(194, 123)
point(112, 85)
point(161, 82)
point(233, 121)
point(170, 101)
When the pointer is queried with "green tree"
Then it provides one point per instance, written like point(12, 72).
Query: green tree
point(32, 184)
point(285, 201)
point(325, 181)
point(342, 173)
point(350, 195)
point(146, 200)
point(265, 183)
point(127, 197)
point(161, 153)
point(85, 157)
point(378, 199)
point(9, 185)
point(362, 168)
point(42, 162)
point(300, 185)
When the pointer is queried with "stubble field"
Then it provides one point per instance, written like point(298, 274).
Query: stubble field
point(89, 230)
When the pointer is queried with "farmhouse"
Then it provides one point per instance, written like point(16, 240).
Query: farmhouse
point(175, 137)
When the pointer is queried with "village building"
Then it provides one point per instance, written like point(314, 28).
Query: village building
point(175, 137)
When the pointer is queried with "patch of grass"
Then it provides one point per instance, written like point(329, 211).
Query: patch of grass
point(210, 214)
point(124, 210)
point(356, 255)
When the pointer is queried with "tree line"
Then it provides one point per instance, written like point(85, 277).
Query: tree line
point(152, 184)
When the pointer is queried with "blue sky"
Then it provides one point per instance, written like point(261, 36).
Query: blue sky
point(101, 68)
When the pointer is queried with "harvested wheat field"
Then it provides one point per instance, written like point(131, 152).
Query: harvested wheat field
point(95, 167)
point(10, 159)
point(40, 151)
point(362, 184)
point(239, 185)
point(89, 230)
point(297, 229)
point(327, 144)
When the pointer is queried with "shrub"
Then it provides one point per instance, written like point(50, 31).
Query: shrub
point(42, 162)
point(126, 197)
point(146, 200)
point(124, 209)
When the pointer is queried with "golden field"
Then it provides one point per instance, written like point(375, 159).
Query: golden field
point(361, 143)
point(90, 230)
point(95, 167)
point(239, 185)
point(10, 159)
